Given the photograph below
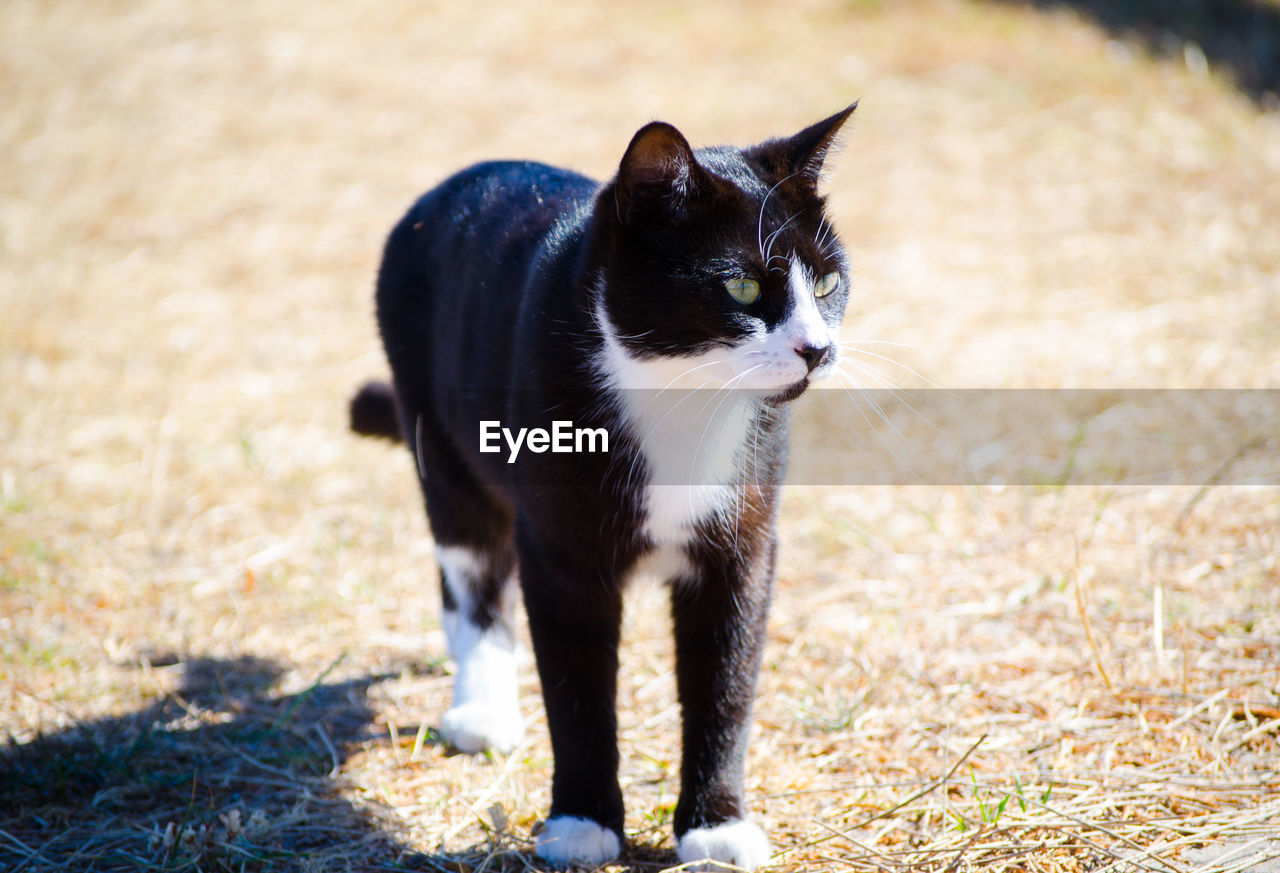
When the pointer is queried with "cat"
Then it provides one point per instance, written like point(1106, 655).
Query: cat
point(516, 293)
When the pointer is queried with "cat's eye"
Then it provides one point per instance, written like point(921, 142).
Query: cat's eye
point(826, 285)
point(745, 291)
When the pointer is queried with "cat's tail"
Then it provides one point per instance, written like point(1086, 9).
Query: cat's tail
point(374, 412)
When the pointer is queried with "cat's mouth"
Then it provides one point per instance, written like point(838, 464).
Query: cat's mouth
point(791, 392)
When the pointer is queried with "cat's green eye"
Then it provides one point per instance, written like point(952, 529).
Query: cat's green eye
point(826, 285)
point(745, 291)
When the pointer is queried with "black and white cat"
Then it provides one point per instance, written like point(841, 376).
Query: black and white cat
point(679, 307)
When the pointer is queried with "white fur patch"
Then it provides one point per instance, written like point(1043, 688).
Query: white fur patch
point(805, 325)
point(486, 699)
point(763, 362)
point(568, 839)
point(738, 843)
point(692, 417)
point(476, 727)
point(459, 561)
point(663, 564)
point(692, 443)
point(459, 566)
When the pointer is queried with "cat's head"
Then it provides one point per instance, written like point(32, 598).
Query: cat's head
point(719, 268)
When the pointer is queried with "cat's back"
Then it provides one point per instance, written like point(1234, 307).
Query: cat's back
point(497, 204)
point(471, 241)
point(458, 263)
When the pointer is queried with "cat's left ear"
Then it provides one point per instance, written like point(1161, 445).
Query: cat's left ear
point(808, 149)
point(658, 169)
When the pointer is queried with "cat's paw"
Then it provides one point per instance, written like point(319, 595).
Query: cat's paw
point(478, 727)
point(567, 839)
point(737, 843)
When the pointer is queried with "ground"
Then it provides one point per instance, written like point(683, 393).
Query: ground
point(219, 619)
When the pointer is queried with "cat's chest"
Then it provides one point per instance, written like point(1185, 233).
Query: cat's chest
point(674, 515)
point(693, 448)
point(695, 438)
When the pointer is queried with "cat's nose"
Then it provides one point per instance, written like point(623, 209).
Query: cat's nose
point(813, 355)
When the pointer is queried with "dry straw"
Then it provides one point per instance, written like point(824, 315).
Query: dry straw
point(219, 640)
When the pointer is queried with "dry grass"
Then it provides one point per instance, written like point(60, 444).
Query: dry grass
point(218, 630)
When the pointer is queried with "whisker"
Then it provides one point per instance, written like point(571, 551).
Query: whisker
point(877, 431)
point(686, 373)
point(858, 342)
point(823, 230)
point(899, 394)
point(417, 443)
point(726, 390)
point(772, 238)
point(760, 220)
point(633, 473)
point(875, 404)
point(882, 378)
point(688, 392)
point(902, 396)
point(888, 360)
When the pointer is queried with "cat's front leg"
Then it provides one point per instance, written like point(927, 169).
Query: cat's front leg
point(720, 615)
point(575, 619)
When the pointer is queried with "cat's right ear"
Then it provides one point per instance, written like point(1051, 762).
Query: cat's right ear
point(658, 169)
point(808, 148)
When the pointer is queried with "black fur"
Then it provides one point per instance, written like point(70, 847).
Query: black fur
point(487, 302)
point(373, 412)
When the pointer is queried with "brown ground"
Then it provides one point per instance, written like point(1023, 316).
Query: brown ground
point(218, 613)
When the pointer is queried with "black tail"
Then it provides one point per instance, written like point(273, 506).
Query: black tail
point(374, 412)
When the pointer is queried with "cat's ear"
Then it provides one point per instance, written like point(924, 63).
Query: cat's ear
point(808, 149)
point(658, 168)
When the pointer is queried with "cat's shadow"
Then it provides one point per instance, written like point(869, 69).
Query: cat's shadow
point(1242, 36)
point(226, 773)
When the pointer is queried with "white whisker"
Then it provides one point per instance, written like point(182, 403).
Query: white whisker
point(727, 391)
point(902, 396)
point(860, 342)
point(877, 431)
point(688, 392)
point(821, 238)
point(417, 444)
point(760, 219)
point(686, 373)
point(855, 350)
point(882, 379)
point(772, 238)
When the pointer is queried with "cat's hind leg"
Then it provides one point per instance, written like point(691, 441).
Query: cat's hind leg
point(472, 528)
point(478, 621)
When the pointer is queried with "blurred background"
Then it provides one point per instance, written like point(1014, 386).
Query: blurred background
point(193, 199)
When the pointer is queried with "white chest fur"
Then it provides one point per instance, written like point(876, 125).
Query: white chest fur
point(694, 428)
point(693, 444)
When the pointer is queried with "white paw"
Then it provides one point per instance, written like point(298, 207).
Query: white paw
point(476, 727)
point(567, 839)
point(738, 843)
